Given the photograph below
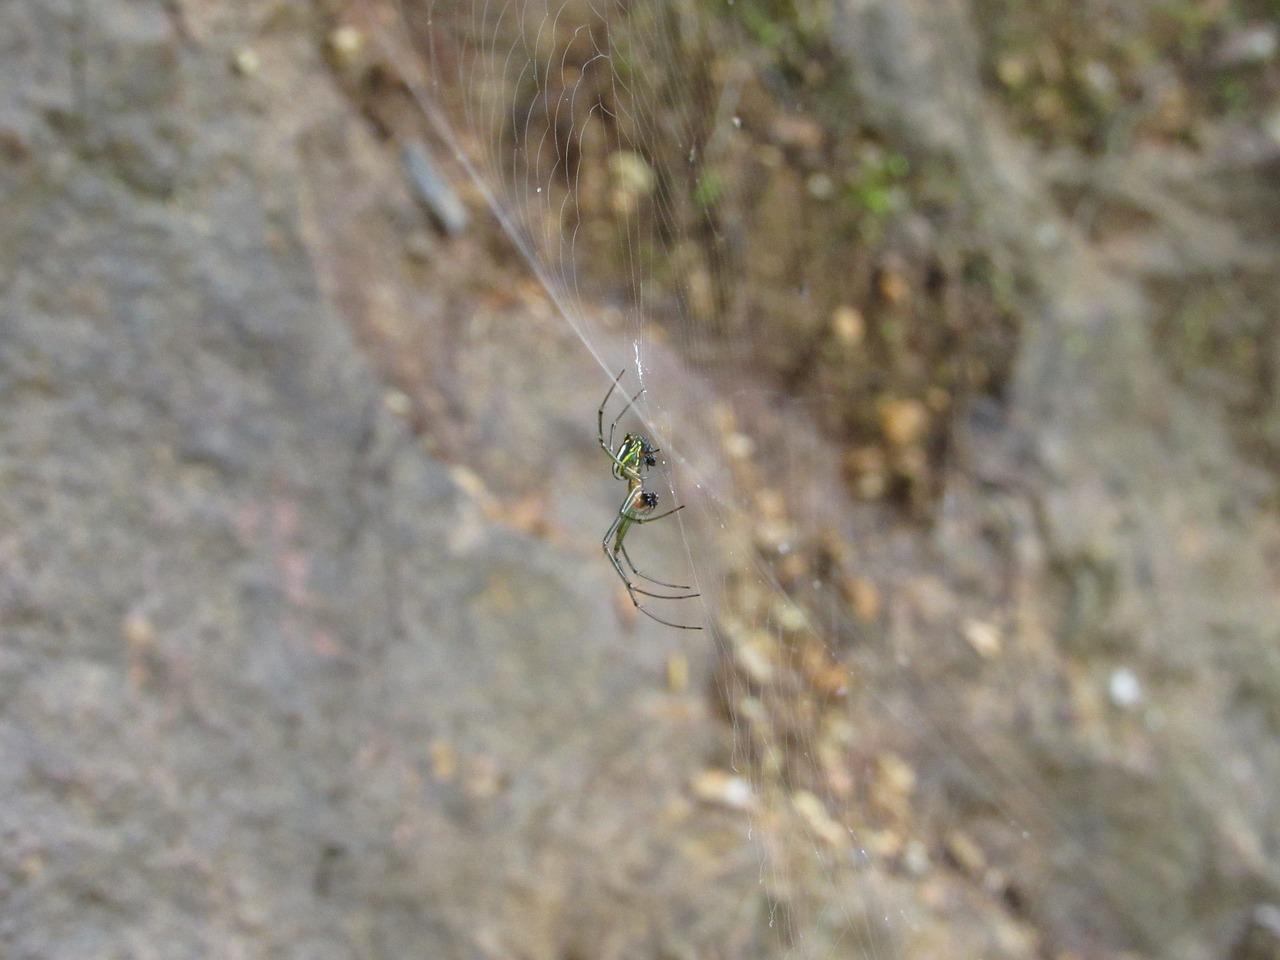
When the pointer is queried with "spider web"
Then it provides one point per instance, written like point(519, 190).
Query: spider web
point(613, 142)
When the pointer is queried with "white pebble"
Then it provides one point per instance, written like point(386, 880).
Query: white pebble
point(1125, 689)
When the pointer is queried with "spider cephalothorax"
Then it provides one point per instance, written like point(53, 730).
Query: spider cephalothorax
point(634, 455)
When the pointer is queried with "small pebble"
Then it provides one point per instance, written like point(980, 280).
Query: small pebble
point(1099, 78)
point(790, 617)
point(632, 180)
point(1012, 71)
point(915, 857)
point(398, 403)
point(444, 760)
point(894, 782)
point(431, 187)
point(821, 186)
point(345, 44)
point(739, 446)
point(965, 853)
point(893, 286)
point(903, 421)
point(723, 789)
point(752, 657)
point(848, 325)
point(984, 637)
point(139, 634)
point(246, 62)
point(883, 844)
point(814, 813)
point(677, 673)
point(865, 597)
point(1125, 689)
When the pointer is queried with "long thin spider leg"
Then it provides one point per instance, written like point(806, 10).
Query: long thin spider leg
point(604, 403)
point(621, 413)
point(635, 519)
point(664, 596)
point(666, 623)
point(613, 557)
point(631, 587)
point(645, 576)
point(608, 447)
point(613, 528)
point(619, 470)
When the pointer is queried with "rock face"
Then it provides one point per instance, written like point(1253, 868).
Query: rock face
point(271, 685)
point(1145, 539)
point(277, 680)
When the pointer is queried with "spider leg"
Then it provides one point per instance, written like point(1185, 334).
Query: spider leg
point(634, 397)
point(619, 468)
point(661, 596)
point(604, 403)
point(613, 557)
point(635, 519)
point(622, 574)
point(632, 589)
point(667, 623)
point(643, 576)
point(609, 446)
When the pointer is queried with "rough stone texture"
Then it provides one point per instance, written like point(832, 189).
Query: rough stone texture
point(270, 685)
point(277, 681)
point(1141, 537)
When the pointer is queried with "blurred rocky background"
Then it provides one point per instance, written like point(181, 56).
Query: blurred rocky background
point(306, 646)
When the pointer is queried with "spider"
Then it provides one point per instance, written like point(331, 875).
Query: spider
point(634, 455)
